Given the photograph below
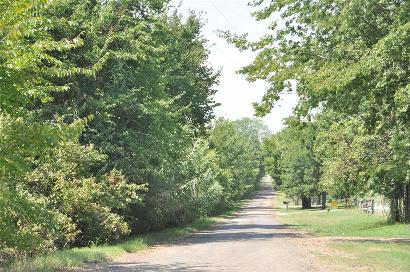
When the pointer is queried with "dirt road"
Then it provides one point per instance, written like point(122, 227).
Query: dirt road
point(254, 240)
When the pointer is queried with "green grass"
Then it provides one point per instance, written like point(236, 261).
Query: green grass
point(281, 208)
point(346, 223)
point(352, 255)
point(76, 257)
point(370, 256)
point(341, 222)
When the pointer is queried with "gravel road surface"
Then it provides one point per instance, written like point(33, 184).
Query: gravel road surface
point(252, 240)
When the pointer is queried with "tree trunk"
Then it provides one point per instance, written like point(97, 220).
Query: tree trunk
point(394, 210)
point(306, 202)
point(395, 204)
point(407, 204)
point(324, 200)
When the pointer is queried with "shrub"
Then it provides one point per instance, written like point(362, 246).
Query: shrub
point(71, 178)
point(28, 226)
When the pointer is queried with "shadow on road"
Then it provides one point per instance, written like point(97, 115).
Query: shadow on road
point(149, 267)
point(253, 238)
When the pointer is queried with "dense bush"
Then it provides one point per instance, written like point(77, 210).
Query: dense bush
point(191, 189)
point(105, 124)
point(29, 226)
point(54, 192)
point(69, 177)
point(210, 176)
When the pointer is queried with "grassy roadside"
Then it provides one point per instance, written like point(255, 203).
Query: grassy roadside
point(369, 256)
point(341, 222)
point(75, 257)
point(351, 256)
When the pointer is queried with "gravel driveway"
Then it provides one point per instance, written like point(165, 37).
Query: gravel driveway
point(253, 240)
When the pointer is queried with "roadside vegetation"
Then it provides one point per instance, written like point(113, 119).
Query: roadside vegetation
point(349, 135)
point(347, 61)
point(342, 226)
point(77, 257)
point(339, 222)
point(368, 256)
point(107, 128)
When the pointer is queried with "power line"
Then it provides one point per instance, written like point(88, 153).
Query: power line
point(223, 15)
point(229, 22)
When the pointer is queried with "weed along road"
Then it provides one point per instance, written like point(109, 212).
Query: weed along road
point(252, 240)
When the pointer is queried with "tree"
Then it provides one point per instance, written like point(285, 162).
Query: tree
point(272, 158)
point(298, 168)
point(106, 114)
point(238, 149)
point(343, 149)
point(149, 99)
point(349, 57)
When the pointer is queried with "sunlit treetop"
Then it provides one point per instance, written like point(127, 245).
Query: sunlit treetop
point(330, 52)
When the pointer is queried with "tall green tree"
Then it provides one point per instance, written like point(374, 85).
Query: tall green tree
point(349, 57)
point(106, 111)
point(149, 99)
point(238, 145)
point(294, 160)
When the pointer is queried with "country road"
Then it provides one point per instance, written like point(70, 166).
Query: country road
point(253, 240)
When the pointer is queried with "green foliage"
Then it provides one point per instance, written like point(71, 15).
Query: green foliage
point(272, 157)
point(209, 177)
point(149, 99)
point(238, 147)
point(69, 179)
point(52, 193)
point(27, 223)
point(190, 189)
point(347, 61)
point(291, 159)
point(28, 226)
point(28, 56)
point(20, 141)
point(105, 111)
point(343, 147)
point(202, 188)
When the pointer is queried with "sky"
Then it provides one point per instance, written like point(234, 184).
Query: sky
point(234, 93)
